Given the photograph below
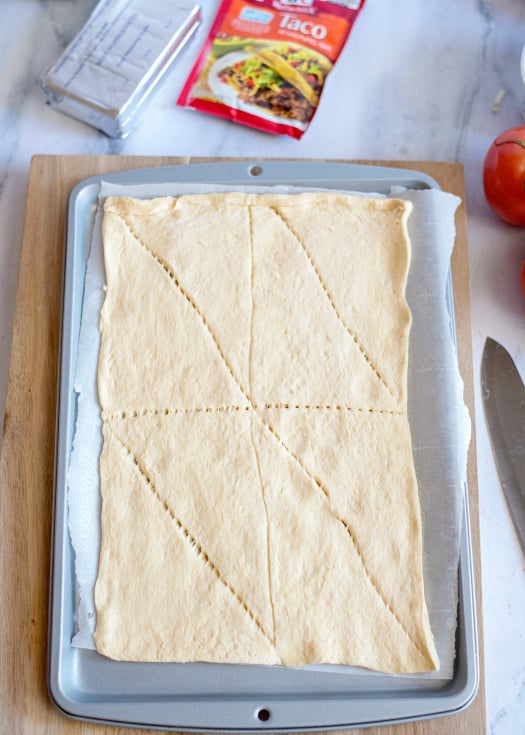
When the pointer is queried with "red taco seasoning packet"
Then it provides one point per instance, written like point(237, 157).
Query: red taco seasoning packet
point(265, 62)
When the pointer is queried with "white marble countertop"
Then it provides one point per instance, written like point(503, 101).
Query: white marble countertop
point(415, 81)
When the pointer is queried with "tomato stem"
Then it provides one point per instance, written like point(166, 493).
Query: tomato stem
point(510, 140)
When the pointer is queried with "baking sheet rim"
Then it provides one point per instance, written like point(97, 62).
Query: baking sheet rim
point(79, 199)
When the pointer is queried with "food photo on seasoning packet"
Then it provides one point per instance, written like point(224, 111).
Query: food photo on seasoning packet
point(265, 62)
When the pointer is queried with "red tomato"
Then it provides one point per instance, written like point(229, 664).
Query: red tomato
point(504, 176)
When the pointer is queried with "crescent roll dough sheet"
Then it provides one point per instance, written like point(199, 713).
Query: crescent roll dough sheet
point(259, 498)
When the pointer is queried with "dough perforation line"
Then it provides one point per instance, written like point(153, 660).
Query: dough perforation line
point(252, 441)
point(326, 493)
point(133, 413)
point(331, 301)
point(170, 273)
point(196, 546)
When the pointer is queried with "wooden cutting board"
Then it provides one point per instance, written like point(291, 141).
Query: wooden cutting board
point(27, 459)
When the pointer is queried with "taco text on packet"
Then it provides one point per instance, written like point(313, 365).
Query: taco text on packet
point(265, 62)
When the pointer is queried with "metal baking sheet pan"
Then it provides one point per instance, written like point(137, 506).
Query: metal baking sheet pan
point(212, 697)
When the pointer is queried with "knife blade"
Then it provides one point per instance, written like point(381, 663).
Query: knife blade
point(503, 396)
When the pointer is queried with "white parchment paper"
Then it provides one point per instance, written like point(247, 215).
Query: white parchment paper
point(438, 416)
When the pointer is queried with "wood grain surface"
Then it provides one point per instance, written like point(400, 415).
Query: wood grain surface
point(27, 459)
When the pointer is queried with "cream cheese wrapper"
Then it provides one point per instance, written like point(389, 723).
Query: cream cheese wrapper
point(259, 499)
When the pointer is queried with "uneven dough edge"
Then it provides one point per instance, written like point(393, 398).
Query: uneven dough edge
point(124, 208)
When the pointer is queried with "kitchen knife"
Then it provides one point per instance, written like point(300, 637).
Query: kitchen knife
point(503, 396)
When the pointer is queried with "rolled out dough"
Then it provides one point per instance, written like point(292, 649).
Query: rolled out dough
point(259, 500)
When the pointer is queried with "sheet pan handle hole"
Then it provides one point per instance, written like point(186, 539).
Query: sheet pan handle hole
point(263, 714)
point(255, 171)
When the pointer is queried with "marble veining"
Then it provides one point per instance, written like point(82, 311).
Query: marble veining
point(416, 80)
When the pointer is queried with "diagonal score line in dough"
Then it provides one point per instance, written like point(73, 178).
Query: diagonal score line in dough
point(200, 552)
point(174, 280)
point(254, 447)
point(331, 301)
point(324, 490)
point(134, 413)
point(168, 269)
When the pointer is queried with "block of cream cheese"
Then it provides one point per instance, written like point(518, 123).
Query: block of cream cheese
point(109, 71)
